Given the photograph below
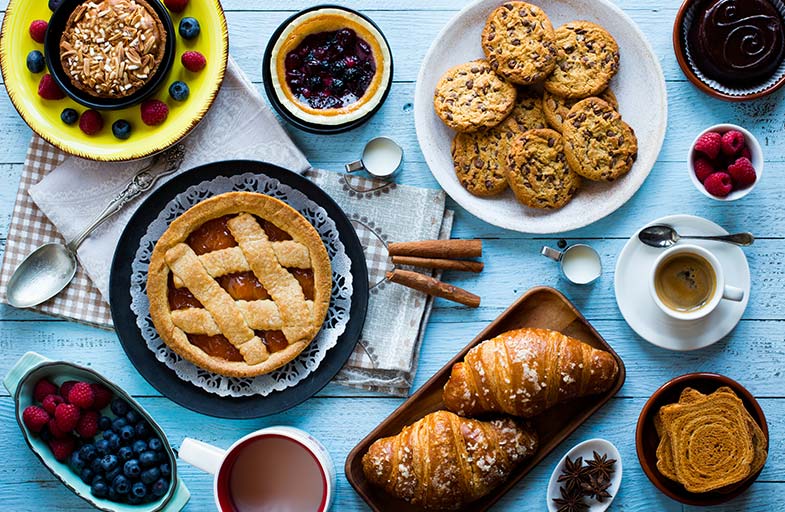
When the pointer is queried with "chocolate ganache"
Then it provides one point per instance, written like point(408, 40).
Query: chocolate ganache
point(738, 42)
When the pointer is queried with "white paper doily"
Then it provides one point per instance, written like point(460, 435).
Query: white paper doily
point(340, 300)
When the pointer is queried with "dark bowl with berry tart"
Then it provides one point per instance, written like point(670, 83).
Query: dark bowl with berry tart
point(327, 69)
point(103, 62)
point(96, 439)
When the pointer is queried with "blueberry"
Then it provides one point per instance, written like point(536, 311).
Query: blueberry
point(337, 84)
point(149, 476)
point(104, 422)
point(160, 487)
point(125, 453)
point(111, 475)
point(122, 130)
point(127, 433)
point(112, 495)
point(133, 500)
point(179, 91)
point(114, 442)
point(142, 429)
point(76, 462)
point(139, 490)
point(97, 478)
point(102, 447)
point(99, 489)
point(155, 444)
point(88, 452)
point(148, 458)
point(117, 424)
point(132, 417)
point(139, 446)
point(189, 28)
point(45, 435)
point(35, 61)
point(95, 466)
point(119, 407)
point(109, 462)
point(121, 485)
point(54, 4)
point(131, 469)
point(87, 475)
point(166, 469)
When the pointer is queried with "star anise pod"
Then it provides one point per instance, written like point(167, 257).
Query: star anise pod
point(573, 474)
point(570, 501)
point(598, 489)
point(601, 466)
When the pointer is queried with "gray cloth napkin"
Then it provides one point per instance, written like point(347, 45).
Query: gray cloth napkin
point(241, 126)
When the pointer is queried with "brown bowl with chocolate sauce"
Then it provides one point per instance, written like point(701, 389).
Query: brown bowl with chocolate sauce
point(733, 50)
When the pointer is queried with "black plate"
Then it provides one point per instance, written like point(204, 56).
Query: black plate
point(165, 380)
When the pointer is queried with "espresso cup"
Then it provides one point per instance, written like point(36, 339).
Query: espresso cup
point(687, 282)
point(275, 468)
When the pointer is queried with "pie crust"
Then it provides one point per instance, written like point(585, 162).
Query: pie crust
point(243, 323)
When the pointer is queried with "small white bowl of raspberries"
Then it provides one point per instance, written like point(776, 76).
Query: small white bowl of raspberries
point(726, 162)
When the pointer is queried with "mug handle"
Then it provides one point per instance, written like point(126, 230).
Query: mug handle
point(355, 166)
point(551, 253)
point(204, 456)
point(733, 293)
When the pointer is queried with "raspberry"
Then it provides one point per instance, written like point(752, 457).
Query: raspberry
point(718, 184)
point(38, 30)
point(55, 431)
point(81, 395)
point(101, 395)
point(176, 5)
point(742, 172)
point(91, 122)
point(43, 388)
point(65, 388)
point(709, 144)
point(154, 112)
point(51, 402)
point(746, 153)
point(193, 61)
point(703, 168)
point(48, 89)
point(732, 142)
point(62, 448)
point(87, 426)
point(35, 418)
point(67, 415)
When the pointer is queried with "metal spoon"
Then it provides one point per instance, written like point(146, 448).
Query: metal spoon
point(663, 236)
point(49, 269)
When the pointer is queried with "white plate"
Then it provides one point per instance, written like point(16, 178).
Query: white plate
point(639, 87)
point(586, 450)
point(642, 314)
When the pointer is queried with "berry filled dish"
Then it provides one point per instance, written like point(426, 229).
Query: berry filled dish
point(329, 66)
point(112, 48)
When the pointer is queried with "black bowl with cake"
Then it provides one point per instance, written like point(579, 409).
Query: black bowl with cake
point(327, 69)
point(110, 54)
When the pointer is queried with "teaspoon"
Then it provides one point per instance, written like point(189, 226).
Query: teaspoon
point(49, 269)
point(663, 236)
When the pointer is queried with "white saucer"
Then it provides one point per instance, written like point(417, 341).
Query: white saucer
point(586, 450)
point(642, 314)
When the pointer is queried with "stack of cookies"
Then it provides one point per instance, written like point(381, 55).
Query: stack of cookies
point(537, 114)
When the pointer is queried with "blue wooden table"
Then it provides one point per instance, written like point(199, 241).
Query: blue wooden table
point(753, 354)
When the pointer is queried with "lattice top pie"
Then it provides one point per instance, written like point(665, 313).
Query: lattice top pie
point(239, 284)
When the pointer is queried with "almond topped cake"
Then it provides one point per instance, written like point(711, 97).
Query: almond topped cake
point(111, 48)
point(239, 284)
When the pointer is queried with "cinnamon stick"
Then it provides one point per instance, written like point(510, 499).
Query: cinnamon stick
point(439, 263)
point(431, 286)
point(449, 249)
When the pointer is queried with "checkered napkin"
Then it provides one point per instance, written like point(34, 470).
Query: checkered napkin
point(385, 358)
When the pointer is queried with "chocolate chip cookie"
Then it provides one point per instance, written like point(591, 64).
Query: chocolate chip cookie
point(519, 42)
point(528, 113)
point(479, 159)
point(587, 58)
point(556, 108)
point(471, 97)
point(598, 144)
point(537, 171)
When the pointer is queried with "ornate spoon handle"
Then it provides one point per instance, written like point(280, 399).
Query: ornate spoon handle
point(736, 238)
point(140, 183)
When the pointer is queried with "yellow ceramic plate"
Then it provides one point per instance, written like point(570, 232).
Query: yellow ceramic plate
point(43, 116)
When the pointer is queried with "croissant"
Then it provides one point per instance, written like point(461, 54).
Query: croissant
point(526, 371)
point(444, 461)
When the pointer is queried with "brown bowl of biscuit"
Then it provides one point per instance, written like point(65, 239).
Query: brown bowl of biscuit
point(702, 439)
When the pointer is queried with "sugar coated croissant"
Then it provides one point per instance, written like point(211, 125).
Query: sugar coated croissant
point(526, 371)
point(444, 461)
